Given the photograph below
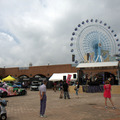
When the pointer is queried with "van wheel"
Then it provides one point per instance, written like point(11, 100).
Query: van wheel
point(3, 117)
point(4, 94)
point(23, 92)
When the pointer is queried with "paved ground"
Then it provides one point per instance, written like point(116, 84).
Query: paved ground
point(89, 106)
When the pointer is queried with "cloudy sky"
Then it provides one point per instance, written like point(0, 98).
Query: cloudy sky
point(39, 31)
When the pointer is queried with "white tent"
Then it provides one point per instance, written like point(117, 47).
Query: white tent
point(59, 76)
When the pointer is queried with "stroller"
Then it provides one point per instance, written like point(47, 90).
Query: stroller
point(3, 112)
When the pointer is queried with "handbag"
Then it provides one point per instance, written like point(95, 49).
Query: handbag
point(75, 88)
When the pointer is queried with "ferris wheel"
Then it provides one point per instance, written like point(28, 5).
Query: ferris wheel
point(94, 41)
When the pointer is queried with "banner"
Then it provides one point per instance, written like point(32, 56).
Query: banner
point(68, 78)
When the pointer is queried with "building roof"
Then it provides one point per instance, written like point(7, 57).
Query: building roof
point(59, 76)
point(98, 64)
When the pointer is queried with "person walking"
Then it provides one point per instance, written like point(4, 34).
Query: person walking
point(77, 88)
point(61, 89)
point(43, 98)
point(65, 89)
point(107, 93)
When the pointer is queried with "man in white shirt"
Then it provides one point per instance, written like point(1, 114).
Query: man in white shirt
point(43, 98)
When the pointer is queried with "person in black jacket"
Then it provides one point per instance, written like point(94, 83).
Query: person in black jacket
point(65, 89)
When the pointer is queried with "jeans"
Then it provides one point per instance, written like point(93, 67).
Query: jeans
point(66, 93)
point(43, 105)
point(77, 91)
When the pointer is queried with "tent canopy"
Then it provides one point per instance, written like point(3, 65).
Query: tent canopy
point(59, 76)
point(8, 78)
point(98, 64)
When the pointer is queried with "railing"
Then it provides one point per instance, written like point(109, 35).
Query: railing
point(92, 89)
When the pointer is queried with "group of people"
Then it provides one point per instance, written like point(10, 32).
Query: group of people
point(64, 89)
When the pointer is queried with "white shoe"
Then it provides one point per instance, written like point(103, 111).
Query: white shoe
point(41, 116)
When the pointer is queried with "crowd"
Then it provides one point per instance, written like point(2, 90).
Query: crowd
point(64, 93)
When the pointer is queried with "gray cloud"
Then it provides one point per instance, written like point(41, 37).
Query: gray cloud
point(39, 31)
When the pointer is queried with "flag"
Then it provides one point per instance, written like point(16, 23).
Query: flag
point(68, 78)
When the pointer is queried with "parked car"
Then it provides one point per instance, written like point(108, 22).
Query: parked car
point(35, 85)
point(17, 85)
point(10, 91)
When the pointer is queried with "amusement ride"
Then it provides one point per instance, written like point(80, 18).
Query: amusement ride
point(94, 41)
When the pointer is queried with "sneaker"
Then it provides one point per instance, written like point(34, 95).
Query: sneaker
point(105, 107)
point(41, 116)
